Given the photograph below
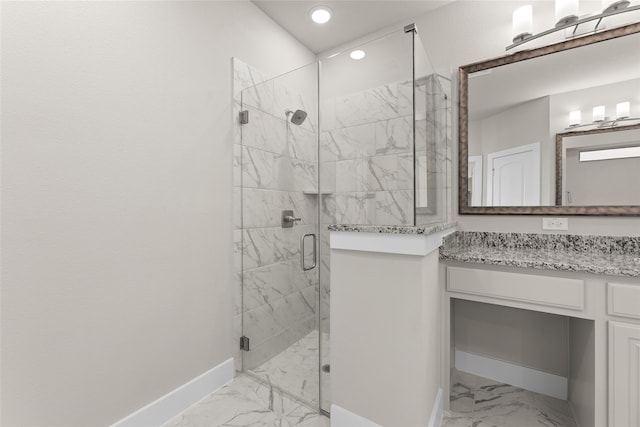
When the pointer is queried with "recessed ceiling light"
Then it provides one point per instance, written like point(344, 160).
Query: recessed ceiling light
point(357, 54)
point(320, 14)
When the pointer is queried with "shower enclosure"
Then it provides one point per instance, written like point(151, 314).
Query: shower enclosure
point(338, 141)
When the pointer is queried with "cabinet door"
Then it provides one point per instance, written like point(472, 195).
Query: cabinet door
point(624, 375)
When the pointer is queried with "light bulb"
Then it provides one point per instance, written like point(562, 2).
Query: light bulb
point(598, 113)
point(566, 12)
point(623, 110)
point(357, 54)
point(574, 118)
point(321, 14)
point(522, 23)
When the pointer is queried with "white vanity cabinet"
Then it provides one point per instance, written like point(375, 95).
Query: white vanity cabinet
point(623, 302)
point(602, 315)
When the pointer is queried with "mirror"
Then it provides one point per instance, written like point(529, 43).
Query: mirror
point(598, 167)
point(514, 109)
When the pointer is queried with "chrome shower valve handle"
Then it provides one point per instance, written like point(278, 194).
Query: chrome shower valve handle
point(288, 220)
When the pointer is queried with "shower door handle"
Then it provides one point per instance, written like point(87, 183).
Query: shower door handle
point(303, 240)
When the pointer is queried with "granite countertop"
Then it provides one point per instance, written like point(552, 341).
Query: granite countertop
point(614, 256)
point(393, 229)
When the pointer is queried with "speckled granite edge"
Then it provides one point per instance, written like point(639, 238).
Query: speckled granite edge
point(608, 255)
point(613, 268)
point(530, 241)
point(392, 229)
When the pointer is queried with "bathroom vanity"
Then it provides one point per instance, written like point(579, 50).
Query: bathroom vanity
point(569, 304)
point(559, 316)
point(593, 282)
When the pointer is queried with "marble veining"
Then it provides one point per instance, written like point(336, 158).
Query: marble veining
point(296, 370)
point(608, 255)
point(367, 154)
point(392, 229)
point(247, 402)
point(275, 168)
point(244, 76)
point(481, 402)
point(379, 103)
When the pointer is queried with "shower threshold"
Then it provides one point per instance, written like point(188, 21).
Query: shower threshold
point(294, 371)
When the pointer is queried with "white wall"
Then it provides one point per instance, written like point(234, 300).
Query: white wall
point(481, 329)
point(388, 59)
point(602, 182)
point(520, 125)
point(116, 199)
point(468, 31)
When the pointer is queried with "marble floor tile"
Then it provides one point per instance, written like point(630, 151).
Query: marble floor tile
point(463, 387)
point(453, 419)
point(248, 403)
point(295, 370)
point(482, 402)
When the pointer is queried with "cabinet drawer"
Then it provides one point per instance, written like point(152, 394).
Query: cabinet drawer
point(623, 300)
point(541, 290)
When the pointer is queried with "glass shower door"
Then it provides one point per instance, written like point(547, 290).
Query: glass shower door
point(279, 202)
point(366, 152)
point(364, 143)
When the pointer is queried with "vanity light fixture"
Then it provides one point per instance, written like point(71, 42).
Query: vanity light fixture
point(357, 54)
point(566, 17)
point(566, 12)
point(522, 23)
point(320, 14)
point(623, 113)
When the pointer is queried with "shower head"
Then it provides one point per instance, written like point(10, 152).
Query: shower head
point(297, 117)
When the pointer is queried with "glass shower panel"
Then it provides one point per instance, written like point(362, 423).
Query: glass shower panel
point(279, 192)
point(432, 140)
point(367, 134)
point(366, 152)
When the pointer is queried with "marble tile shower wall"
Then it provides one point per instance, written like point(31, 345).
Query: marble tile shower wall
point(275, 168)
point(433, 147)
point(367, 157)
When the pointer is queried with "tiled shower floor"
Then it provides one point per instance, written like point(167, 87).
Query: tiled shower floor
point(480, 402)
point(295, 370)
point(247, 402)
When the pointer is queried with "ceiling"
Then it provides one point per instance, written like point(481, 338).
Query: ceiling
point(351, 19)
point(599, 64)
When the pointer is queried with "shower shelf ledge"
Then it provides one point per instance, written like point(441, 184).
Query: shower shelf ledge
point(315, 192)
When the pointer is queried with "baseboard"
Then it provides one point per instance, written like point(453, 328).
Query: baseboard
point(341, 417)
point(574, 415)
point(519, 376)
point(437, 410)
point(168, 406)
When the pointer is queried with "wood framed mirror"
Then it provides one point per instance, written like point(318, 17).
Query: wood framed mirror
point(514, 109)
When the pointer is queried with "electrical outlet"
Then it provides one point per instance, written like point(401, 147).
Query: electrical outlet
point(555, 223)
